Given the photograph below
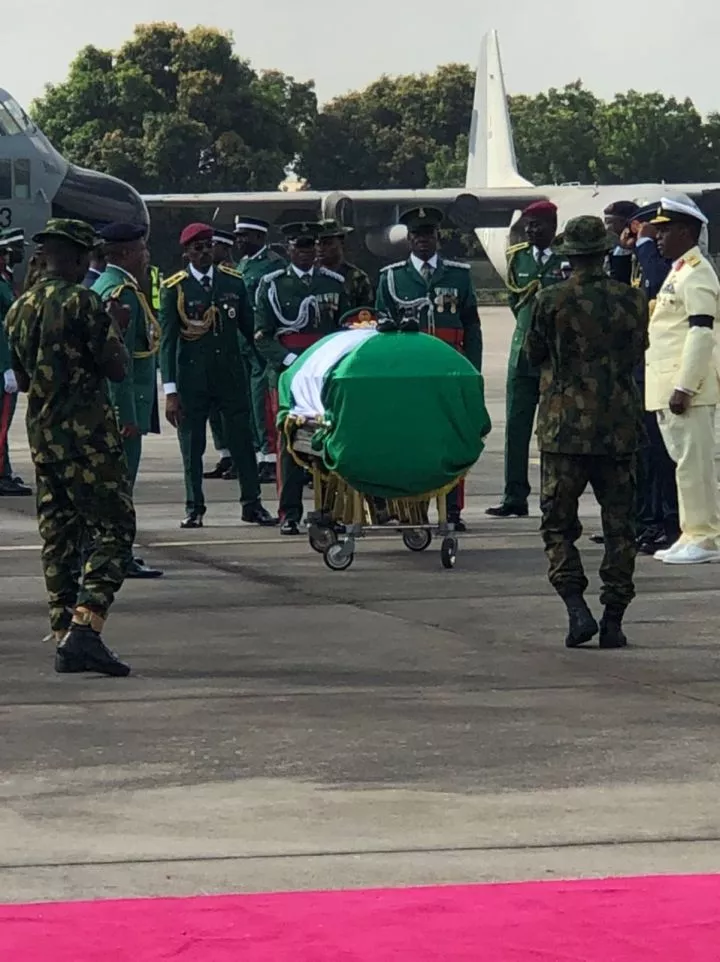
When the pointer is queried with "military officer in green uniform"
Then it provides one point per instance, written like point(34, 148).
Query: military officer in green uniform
point(126, 262)
point(223, 253)
point(438, 293)
point(12, 244)
point(258, 259)
point(532, 266)
point(331, 254)
point(202, 309)
point(295, 307)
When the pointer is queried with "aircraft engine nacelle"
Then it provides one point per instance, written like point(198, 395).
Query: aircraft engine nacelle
point(388, 243)
point(338, 206)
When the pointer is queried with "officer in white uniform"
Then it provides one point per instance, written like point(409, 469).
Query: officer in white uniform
point(683, 379)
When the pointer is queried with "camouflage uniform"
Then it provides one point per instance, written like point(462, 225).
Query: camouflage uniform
point(587, 335)
point(57, 332)
point(358, 286)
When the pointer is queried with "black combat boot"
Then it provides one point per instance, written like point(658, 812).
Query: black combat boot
point(582, 627)
point(611, 631)
point(83, 649)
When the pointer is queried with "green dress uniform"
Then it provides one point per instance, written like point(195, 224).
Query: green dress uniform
point(525, 277)
point(8, 401)
point(291, 314)
point(200, 357)
point(442, 299)
point(133, 398)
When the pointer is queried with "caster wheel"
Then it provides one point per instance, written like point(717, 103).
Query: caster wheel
point(448, 552)
point(336, 559)
point(418, 539)
point(321, 538)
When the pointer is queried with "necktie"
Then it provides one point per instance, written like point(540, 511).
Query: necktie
point(539, 258)
point(427, 272)
point(306, 279)
point(206, 282)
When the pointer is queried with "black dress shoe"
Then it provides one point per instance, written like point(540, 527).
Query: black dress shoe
point(194, 519)
point(258, 514)
point(597, 538)
point(386, 325)
point(508, 511)
point(458, 522)
point(409, 325)
point(231, 474)
point(223, 465)
point(138, 569)
point(83, 649)
point(290, 528)
point(14, 488)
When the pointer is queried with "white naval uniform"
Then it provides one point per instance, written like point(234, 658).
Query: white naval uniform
point(686, 358)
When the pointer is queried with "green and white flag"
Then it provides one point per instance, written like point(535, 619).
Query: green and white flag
point(404, 413)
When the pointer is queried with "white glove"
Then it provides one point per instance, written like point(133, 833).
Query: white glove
point(10, 380)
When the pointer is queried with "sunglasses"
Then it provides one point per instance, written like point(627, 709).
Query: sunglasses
point(199, 247)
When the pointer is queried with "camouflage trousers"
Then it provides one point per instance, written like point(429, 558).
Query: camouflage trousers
point(80, 502)
point(564, 478)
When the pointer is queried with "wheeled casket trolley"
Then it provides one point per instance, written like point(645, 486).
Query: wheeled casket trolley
point(342, 514)
point(388, 421)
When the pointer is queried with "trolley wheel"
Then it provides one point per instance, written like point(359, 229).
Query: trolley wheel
point(336, 559)
point(418, 539)
point(448, 551)
point(321, 537)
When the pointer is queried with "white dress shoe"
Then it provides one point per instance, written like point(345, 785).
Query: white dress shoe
point(666, 552)
point(692, 554)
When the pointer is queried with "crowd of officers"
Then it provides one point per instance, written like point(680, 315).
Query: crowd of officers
point(238, 313)
point(85, 340)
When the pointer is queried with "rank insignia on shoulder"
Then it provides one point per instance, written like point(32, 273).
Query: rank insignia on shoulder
point(326, 272)
point(175, 279)
point(514, 248)
point(229, 270)
point(391, 267)
point(461, 264)
point(693, 261)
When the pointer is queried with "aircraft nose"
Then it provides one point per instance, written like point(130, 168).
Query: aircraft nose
point(98, 199)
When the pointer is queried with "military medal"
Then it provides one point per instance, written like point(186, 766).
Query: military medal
point(440, 302)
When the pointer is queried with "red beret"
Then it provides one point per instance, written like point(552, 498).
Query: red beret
point(195, 232)
point(540, 208)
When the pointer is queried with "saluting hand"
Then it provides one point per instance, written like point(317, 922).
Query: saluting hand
point(173, 411)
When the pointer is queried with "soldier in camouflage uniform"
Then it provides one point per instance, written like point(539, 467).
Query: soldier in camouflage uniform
point(65, 346)
point(331, 254)
point(587, 335)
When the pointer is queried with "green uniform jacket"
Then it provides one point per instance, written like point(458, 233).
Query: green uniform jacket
point(200, 327)
point(588, 335)
point(358, 286)
point(524, 280)
point(254, 268)
point(445, 305)
point(134, 397)
point(290, 314)
point(6, 300)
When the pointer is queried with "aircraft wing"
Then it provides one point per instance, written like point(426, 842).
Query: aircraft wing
point(466, 209)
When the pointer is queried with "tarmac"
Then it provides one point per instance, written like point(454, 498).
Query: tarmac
point(289, 727)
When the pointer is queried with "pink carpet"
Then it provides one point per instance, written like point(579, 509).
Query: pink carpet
point(673, 919)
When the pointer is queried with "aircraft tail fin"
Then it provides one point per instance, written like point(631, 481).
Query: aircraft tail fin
point(491, 156)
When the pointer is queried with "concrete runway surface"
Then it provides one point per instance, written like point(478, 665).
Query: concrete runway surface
point(288, 727)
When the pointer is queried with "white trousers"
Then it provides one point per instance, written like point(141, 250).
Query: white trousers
point(690, 442)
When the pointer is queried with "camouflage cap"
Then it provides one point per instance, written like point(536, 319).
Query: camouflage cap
point(331, 228)
point(584, 235)
point(63, 228)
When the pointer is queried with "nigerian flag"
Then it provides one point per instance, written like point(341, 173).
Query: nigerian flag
point(404, 413)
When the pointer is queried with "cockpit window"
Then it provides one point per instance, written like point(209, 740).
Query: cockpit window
point(13, 119)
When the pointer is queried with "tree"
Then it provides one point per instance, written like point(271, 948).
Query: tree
point(177, 110)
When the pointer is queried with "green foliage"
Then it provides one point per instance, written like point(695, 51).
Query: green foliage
point(177, 110)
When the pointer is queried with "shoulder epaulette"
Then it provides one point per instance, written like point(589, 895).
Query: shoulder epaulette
point(266, 278)
point(392, 266)
point(225, 269)
point(175, 279)
point(694, 260)
point(517, 247)
point(465, 267)
point(328, 273)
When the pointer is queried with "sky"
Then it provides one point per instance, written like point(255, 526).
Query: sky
point(648, 45)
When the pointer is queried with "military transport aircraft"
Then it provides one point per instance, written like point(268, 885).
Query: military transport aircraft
point(35, 182)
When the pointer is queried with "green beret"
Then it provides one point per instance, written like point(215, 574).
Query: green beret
point(63, 228)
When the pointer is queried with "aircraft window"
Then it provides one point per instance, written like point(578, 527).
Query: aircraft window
point(17, 114)
point(22, 179)
point(8, 124)
point(5, 180)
